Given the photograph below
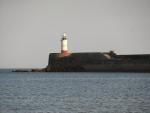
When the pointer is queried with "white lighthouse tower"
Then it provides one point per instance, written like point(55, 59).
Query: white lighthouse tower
point(64, 46)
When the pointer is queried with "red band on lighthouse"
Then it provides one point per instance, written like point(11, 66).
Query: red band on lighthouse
point(62, 51)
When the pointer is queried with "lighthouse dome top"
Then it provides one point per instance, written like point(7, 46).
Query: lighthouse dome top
point(64, 36)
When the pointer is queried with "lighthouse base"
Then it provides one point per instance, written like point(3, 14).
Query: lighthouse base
point(64, 53)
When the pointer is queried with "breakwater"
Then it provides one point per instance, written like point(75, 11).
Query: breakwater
point(98, 62)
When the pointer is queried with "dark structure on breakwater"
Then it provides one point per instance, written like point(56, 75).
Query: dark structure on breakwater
point(98, 62)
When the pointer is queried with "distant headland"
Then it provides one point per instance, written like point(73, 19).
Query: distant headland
point(94, 61)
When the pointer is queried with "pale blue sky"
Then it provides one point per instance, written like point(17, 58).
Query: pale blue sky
point(31, 29)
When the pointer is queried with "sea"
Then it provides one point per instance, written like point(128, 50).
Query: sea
point(77, 92)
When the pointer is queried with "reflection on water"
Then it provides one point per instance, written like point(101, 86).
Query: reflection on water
point(74, 92)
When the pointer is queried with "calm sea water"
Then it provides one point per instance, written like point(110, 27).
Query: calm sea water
point(74, 92)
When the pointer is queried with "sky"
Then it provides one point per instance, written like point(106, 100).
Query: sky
point(31, 29)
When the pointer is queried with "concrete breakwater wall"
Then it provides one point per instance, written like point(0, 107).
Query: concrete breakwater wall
point(97, 62)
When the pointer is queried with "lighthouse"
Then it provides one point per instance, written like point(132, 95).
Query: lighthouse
point(64, 46)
